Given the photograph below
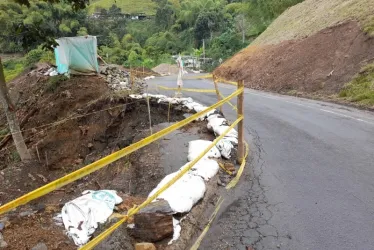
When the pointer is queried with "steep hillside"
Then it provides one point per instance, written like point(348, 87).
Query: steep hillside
point(314, 49)
point(312, 16)
point(127, 6)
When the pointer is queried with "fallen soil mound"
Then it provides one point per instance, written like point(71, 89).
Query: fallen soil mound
point(322, 63)
point(314, 49)
point(166, 69)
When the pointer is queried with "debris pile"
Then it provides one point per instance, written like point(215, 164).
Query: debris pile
point(119, 79)
point(165, 69)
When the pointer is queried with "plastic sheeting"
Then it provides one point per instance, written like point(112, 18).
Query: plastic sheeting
point(82, 215)
point(77, 53)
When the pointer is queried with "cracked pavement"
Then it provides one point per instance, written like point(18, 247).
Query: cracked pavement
point(309, 180)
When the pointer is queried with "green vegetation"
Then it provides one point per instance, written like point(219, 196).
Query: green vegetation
point(177, 26)
point(55, 81)
point(12, 68)
point(4, 132)
point(361, 88)
point(127, 6)
point(293, 24)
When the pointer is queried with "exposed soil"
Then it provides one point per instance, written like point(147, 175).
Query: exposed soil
point(321, 63)
point(93, 122)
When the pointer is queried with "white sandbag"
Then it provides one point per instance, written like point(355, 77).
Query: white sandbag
point(177, 231)
point(191, 105)
point(233, 140)
point(136, 96)
point(216, 122)
point(199, 108)
point(213, 116)
point(195, 148)
point(219, 130)
point(82, 215)
point(205, 168)
point(225, 146)
point(183, 194)
point(210, 113)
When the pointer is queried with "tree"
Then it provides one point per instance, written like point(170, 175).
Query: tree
point(12, 119)
point(241, 25)
point(76, 4)
point(206, 23)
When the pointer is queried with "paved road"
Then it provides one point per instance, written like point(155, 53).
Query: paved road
point(310, 181)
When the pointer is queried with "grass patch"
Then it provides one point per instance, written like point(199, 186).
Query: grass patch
point(12, 68)
point(361, 88)
point(54, 82)
point(311, 16)
point(127, 6)
point(15, 156)
point(3, 132)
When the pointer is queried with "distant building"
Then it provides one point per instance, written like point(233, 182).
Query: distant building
point(129, 16)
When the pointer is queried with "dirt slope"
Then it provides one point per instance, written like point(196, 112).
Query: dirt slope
point(314, 49)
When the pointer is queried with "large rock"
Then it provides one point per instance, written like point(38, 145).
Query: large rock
point(145, 246)
point(161, 207)
point(40, 246)
point(3, 244)
point(152, 227)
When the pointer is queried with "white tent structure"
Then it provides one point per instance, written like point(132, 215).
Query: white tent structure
point(76, 54)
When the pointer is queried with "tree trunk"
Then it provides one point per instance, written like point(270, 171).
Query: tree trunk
point(12, 119)
point(243, 29)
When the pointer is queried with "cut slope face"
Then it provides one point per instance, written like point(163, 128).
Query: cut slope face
point(323, 62)
point(314, 49)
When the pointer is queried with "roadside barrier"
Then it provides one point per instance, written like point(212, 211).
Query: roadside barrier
point(99, 164)
point(136, 209)
point(107, 160)
point(187, 89)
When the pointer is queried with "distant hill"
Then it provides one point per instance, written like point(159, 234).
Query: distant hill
point(127, 6)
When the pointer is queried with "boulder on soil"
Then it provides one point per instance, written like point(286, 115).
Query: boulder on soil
point(161, 207)
point(40, 246)
point(3, 244)
point(145, 246)
point(152, 227)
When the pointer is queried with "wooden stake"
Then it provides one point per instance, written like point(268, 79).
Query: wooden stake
point(240, 124)
point(217, 92)
point(46, 158)
point(37, 152)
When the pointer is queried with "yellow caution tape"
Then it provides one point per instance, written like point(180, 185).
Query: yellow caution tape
point(188, 90)
point(97, 240)
point(235, 181)
point(232, 105)
point(224, 169)
point(225, 81)
point(206, 229)
point(108, 159)
point(199, 77)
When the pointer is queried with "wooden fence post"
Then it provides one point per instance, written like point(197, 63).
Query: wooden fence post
point(240, 124)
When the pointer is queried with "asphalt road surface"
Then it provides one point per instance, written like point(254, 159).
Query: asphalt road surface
point(309, 183)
